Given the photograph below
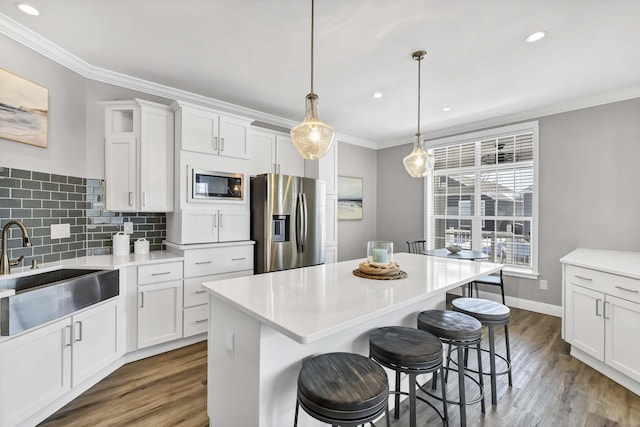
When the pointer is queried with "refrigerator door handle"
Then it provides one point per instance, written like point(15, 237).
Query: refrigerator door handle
point(305, 223)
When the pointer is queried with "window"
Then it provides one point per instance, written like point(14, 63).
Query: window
point(482, 195)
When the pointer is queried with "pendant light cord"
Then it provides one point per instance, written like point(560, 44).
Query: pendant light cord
point(419, 61)
point(312, 14)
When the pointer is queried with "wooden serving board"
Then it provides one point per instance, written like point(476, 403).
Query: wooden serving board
point(395, 276)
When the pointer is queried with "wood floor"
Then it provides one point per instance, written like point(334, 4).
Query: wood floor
point(550, 388)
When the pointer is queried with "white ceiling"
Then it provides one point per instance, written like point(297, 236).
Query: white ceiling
point(255, 53)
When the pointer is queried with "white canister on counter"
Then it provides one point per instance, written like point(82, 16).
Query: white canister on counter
point(120, 244)
point(141, 246)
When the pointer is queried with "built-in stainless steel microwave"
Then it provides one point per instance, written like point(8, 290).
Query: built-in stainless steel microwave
point(208, 185)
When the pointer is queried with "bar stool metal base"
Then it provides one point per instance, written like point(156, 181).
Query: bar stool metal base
point(490, 314)
point(463, 332)
point(413, 352)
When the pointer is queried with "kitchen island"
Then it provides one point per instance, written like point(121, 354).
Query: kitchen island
point(261, 327)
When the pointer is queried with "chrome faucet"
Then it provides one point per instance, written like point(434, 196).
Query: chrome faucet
point(5, 267)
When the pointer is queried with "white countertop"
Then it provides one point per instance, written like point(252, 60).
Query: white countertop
point(622, 263)
point(102, 262)
point(310, 303)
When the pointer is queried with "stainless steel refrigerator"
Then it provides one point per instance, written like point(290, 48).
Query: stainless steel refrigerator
point(288, 215)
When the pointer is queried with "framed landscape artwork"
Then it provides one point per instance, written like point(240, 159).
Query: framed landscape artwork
point(349, 198)
point(24, 110)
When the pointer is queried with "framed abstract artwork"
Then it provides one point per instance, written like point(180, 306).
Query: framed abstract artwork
point(24, 110)
point(349, 198)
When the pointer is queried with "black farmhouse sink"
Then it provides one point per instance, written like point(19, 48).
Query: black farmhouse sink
point(43, 297)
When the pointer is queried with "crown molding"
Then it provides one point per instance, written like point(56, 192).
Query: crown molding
point(563, 107)
point(36, 42)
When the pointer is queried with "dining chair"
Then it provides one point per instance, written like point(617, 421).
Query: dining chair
point(487, 280)
point(417, 246)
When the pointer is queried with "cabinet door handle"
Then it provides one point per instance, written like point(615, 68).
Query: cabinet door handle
point(203, 262)
point(584, 278)
point(79, 338)
point(635, 291)
point(67, 343)
point(161, 274)
point(220, 221)
point(278, 167)
point(597, 307)
point(221, 144)
point(215, 220)
point(202, 320)
point(275, 168)
point(215, 143)
point(604, 310)
point(238, 259)
point(141, 299)
point(144, 198)
point(130, 198)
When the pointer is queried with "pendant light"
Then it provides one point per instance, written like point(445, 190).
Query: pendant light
point(419, 162)
point(312, 138)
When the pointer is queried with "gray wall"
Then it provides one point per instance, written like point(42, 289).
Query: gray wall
point(66, 153)
point(400, 199)
point(588, 195)
point(353, 235)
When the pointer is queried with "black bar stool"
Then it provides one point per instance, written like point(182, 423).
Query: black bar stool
point(413, 352)
point(490, 314)
point(342, 389)
point(462, 331)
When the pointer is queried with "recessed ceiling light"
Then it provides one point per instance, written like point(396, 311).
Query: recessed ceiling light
point(534, 37)
point(28, 9)
point(377, 95)
point(446, 109)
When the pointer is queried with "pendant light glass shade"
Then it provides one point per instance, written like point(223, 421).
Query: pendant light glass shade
point(419, 163)
point(312, 138)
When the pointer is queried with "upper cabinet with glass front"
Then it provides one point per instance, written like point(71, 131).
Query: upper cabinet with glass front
point(206, 131)
point(138, 156)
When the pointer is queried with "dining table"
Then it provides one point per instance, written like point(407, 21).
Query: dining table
point(463, 254)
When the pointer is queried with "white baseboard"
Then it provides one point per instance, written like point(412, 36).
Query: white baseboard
point(525, 304)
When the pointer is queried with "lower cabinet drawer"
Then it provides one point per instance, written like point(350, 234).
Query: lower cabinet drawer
point(196, 320)
point(612, 284)
point(194, 293)
point(156, 273)
point(225, 259)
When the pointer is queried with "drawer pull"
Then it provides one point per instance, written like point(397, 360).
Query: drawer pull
point(584, 278)
point(161, 274)
point(202, 320)
point(203, 262)
point(200, 292)
point(635, 291)
point(238, 259)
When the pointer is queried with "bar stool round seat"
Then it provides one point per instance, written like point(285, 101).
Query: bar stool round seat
point(490, 314)
point(344, 389)
point(463, 332)
point(408, 351)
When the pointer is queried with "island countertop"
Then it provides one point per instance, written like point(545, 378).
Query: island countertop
point(310, 303)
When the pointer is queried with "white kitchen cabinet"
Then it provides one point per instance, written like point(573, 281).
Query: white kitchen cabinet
point(203, 263)
point(273, 152)
point(159, 303)
point(209, 226)
point(328, 169)
point(34, 370)
point(97, 340)
point(288, 160)
point(138, 156)
point(601, 314)
point(207, 131)
point(42, 365)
